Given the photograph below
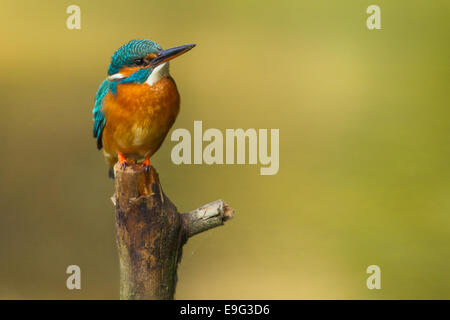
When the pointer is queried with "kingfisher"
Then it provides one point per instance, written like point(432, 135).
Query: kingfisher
point(137, 104)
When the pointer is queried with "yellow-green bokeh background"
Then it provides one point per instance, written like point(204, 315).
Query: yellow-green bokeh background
point(364, 125)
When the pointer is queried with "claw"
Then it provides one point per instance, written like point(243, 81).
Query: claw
point(122, 160)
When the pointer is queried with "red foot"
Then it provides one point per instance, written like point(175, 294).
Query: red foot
point(122, 160)
point(146, 164)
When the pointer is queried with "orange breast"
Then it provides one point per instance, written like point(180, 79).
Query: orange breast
point(139, 117)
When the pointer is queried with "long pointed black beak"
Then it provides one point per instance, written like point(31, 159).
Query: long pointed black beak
point(169, 54)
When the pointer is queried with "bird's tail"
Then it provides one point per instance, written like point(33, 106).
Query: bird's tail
point(111, 173)
point(111, 161)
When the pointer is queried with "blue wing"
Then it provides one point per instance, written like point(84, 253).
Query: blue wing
point(99, 117)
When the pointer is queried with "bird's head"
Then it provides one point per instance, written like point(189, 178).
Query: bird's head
point(137, 59)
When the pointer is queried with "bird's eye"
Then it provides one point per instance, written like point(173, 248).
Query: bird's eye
point(139, 62)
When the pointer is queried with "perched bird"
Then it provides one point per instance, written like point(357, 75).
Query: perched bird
point(137, 104)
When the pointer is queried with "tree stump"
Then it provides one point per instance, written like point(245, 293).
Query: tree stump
point(150, 232)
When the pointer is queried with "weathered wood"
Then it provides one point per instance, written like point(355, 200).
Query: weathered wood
point(150, 232)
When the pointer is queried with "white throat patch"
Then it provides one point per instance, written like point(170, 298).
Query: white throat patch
point(161, 71)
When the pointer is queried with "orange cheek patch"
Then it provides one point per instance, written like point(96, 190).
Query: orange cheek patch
point(128, 71)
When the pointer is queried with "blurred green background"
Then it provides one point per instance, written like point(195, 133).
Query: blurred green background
point(364, 125)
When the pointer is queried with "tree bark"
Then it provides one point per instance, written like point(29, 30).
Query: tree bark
point(150, 232)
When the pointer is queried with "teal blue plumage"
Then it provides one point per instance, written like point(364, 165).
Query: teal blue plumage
point(99, 118)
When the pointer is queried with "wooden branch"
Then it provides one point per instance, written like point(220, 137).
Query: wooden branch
point(209, 216)
point(150, 232)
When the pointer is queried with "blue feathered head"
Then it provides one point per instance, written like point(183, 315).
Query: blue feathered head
point(135, 53)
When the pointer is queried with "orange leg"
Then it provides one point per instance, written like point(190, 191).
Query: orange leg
point(146, 164)
point(122, 160)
